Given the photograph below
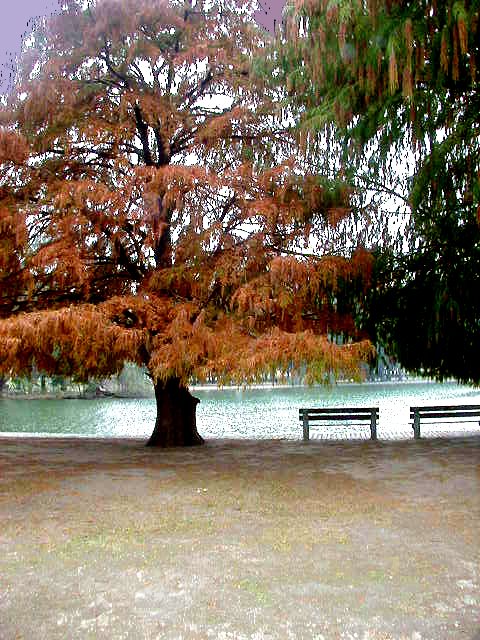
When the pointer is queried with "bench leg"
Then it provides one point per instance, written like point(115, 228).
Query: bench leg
point(306, 429)
point(373, 426)
point(416, 425)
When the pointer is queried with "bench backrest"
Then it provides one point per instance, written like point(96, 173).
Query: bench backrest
point(442, 411)
point(339, 413)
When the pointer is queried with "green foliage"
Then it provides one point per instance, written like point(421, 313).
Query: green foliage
point(424, 309)
point(396, 86)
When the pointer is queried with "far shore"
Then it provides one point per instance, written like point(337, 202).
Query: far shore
point(69, 395)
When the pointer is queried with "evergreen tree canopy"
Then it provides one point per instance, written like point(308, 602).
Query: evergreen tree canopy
point(396, 84)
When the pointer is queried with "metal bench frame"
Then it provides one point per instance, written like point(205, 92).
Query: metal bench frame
point(469, 413)
point(357, 415)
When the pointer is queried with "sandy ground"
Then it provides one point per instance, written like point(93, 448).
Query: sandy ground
point(240, 540)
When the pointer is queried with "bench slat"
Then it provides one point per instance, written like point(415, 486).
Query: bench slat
point(447, 414)
point(337, 417)
point(339, 410)
point(434, 407)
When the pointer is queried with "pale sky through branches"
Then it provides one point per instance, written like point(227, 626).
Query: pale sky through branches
point(18, 18)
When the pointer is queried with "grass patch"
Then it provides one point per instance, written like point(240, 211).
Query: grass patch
point(255, 588)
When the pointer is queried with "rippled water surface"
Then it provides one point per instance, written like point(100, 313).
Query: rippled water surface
point(254, 413)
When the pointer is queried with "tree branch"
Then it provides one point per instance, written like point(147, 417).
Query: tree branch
point(142, 128)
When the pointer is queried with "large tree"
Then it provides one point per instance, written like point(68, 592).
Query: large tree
point(396, 85)
point(154, 208)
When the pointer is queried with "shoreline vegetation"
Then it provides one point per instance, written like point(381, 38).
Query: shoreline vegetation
point(134, 382)
point(102, 393)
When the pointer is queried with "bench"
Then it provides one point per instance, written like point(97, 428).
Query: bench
point(456, 413)
point(352, 415)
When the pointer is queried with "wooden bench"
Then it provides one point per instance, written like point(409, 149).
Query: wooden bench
point(350, 415)
point(443, 414)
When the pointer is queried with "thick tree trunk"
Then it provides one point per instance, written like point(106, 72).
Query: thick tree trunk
point(176, 424)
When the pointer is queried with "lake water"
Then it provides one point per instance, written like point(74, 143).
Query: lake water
point(231, 413)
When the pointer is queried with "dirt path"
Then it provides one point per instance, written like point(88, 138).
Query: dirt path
point(240, 540)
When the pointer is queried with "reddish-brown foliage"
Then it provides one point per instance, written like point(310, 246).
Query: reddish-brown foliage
point(143, 218)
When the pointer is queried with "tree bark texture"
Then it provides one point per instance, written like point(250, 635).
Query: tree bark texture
point(176, 423)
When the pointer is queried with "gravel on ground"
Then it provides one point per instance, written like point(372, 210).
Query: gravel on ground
point(240, 540)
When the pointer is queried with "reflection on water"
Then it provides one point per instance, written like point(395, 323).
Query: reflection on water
point(254, 413)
